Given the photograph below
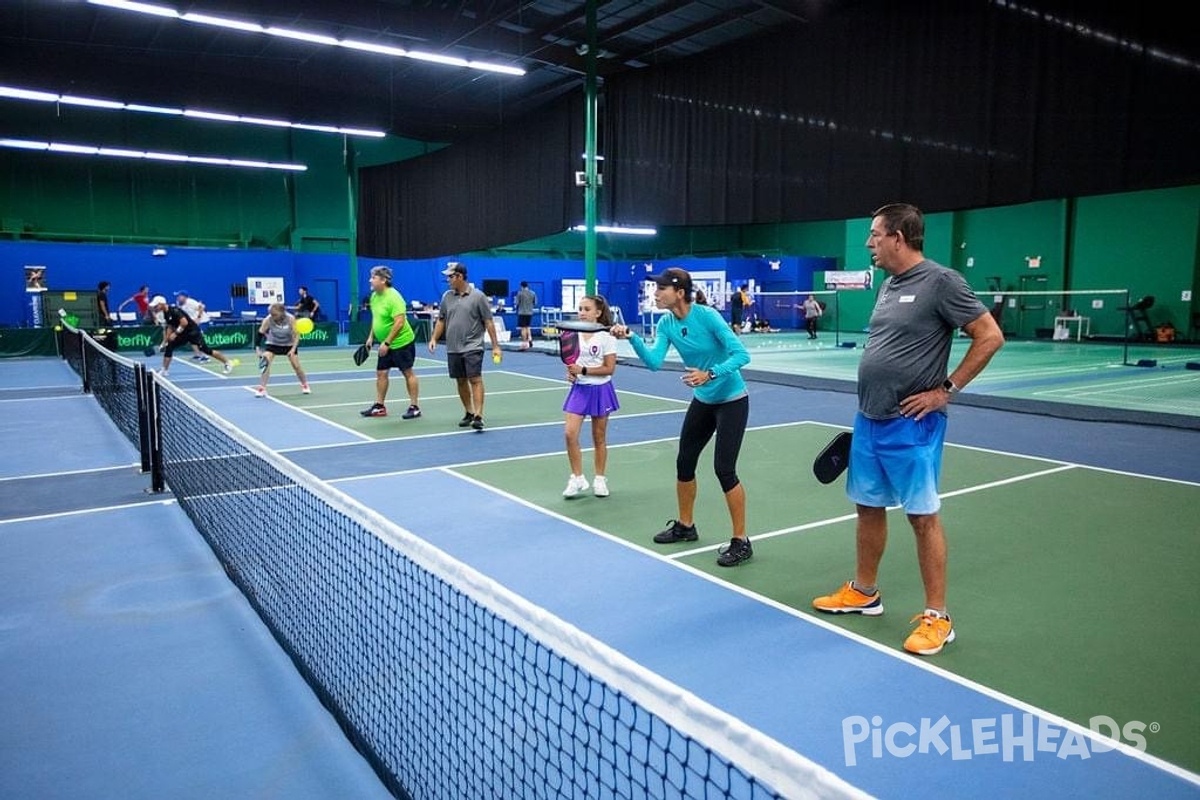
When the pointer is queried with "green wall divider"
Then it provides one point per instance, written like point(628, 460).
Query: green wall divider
point(17, 342)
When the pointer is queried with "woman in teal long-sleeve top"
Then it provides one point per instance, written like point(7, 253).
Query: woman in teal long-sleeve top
point(713, 357)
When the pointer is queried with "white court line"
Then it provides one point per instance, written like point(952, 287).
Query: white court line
point(847, 517)
point(162, 501)
point(133, 465)
point(462, 431)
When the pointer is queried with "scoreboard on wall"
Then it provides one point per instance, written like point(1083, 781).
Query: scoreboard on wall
point(264, 291)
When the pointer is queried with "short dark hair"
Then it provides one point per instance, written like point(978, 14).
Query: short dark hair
point(906, 219)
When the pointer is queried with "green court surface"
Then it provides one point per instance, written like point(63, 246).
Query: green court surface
point(1081, 607)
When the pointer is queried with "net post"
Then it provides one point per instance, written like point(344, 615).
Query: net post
point(837, 318)
point(141, 380)
point(1128, 325)
point(154, 434)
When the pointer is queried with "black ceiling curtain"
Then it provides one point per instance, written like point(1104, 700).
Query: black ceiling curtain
point(511, 186)
point(948, 105)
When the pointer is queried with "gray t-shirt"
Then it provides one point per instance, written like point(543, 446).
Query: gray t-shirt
point(463, 317)
point(911, 329)
point(525, 300)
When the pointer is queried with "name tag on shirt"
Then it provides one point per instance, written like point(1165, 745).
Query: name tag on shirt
point(907, 298)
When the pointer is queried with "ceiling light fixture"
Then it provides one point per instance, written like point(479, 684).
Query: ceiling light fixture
point(115, 152)
point(16, 93)
point(314, 38)
point(622, 230)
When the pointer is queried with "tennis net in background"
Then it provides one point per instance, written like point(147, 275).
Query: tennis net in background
point(1076, 314)
point(116, 382)
point(450, 684)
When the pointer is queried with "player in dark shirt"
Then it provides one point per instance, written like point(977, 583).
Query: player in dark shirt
point(180, 330)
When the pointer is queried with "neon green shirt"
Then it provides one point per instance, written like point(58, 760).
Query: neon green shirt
point(386, 307)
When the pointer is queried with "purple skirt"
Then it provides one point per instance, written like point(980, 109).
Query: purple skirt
point(591, 400)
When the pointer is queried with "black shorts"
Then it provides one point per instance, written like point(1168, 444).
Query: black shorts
point(191, 336)
point(524, 320)
point(280, 349)
point(465, 365)
point(402, 358)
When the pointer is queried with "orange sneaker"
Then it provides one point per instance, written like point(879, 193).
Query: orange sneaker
point(933, 632)
point(848, 600)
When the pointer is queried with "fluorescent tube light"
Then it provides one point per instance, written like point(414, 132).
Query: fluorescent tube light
point(115, 152)
point(221, 22)
point(622, 230)
point(141, 8)
point(305, 36)
point(16, 93)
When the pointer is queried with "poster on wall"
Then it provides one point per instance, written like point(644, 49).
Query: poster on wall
point(264, 291)
point(848, 279)
point(35, 285)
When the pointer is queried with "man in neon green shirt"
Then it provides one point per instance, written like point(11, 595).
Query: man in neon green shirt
point(397, 343)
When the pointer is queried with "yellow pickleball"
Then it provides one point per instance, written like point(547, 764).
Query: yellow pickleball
point(304, 326)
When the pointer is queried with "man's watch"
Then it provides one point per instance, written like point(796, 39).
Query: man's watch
point(712, 376)
point(950, 386)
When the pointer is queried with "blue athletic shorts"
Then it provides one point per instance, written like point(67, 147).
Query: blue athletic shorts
point(897, 462)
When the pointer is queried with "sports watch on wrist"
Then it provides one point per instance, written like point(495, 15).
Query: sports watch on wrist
point(950, 386)
point(712, 376)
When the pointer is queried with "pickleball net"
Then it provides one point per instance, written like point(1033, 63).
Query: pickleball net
point(450, 684)
point(117, 383)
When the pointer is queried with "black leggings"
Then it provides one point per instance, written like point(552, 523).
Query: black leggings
point(728, 422)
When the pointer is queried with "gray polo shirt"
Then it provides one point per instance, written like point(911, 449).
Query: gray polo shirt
point(911, 329)
point(463, 316)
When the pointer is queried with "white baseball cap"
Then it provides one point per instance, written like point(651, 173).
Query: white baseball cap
point(158, 300)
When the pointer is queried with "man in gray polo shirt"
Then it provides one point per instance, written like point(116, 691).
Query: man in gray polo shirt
point(464, 313)
point(903, 390)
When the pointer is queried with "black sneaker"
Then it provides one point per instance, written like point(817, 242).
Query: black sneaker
point(477, 423)
point(412, 413)
point(466, 420)
point(376, 410)
point(734, 553)
point(676, 531)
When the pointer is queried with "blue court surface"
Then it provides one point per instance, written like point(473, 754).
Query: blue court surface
point(133, 667)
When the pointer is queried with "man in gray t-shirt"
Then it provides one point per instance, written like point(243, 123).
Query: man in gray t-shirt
point(912, 327)
point(526, 300)
point(903, 389)
point(463, 315)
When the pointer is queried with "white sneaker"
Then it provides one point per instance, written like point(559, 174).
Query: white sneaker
point(228, 368)
point(164, 373)
point(304, 389)
point(600, 486)
point(575, 485)
point(260, 391)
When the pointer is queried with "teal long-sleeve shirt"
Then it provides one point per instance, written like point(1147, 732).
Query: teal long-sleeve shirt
point(704, 341)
